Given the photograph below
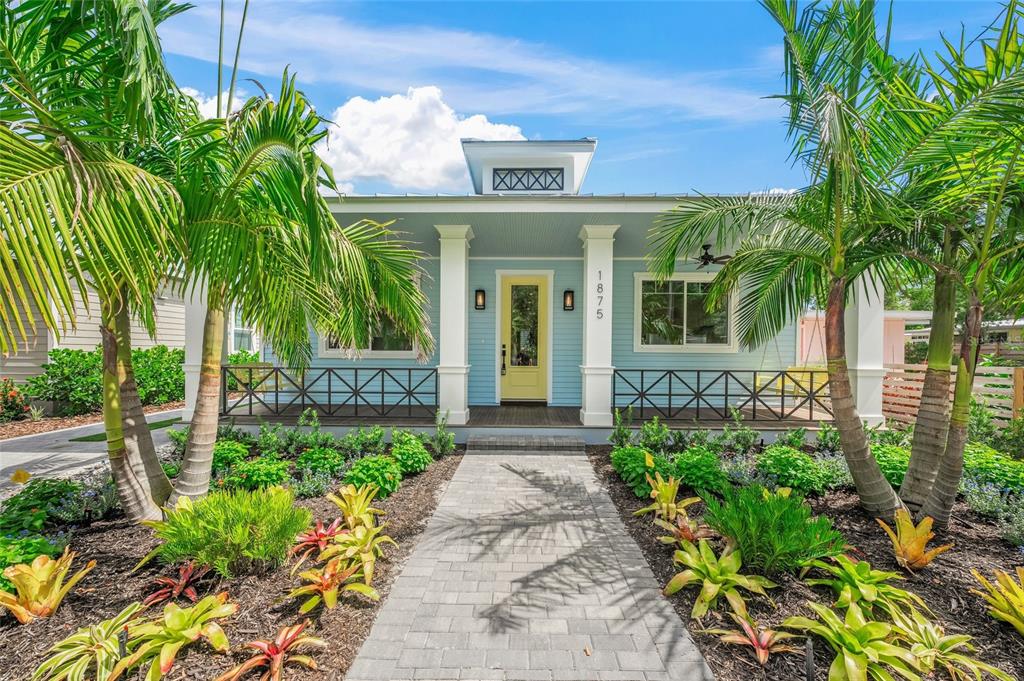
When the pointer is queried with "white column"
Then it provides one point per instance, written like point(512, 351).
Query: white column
point(597, 366)
point(453, 324)
point(865, 348)
point(195, 320)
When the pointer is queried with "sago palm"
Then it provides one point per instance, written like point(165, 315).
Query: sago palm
point(812, 246)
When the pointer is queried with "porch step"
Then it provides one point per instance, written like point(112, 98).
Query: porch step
point(525, 444)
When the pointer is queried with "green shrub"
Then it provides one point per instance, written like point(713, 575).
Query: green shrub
point(700, 468)
point(95, 500)
point(893, 461)
point(19, 550)
point(321, 460)
point(794, 437)
point(1011, 524)
point(773, 532)
point(1011, 439)
point(409, 452)
point(228, 431)
point(985, 464)
point(31, 509)
point(741, 438)
point(228, 453)
point(441, 442)
point(654, 436)
point(980, 427)
point(360, 442)
point(263, 471)
point(234, 532)
point(171, 469)
point(835, 471)
point(269, 440)
point(622, 432)
point(828, 441)
point(72, 379)
point(382, 471)
point(631, 463)
point(179, 440)
point(984, 498)
point(789, 467)
point(892, 433)
point(311, 484)
point(13, 405)
point(703, 438)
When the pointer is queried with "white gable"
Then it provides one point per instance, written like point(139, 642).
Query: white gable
point(528, 167)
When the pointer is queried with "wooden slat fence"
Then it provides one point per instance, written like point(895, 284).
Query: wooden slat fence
point(1000, 388)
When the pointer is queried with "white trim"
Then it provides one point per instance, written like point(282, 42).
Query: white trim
point(701, 348)
point(354, 354)
point(523, 257)
point(499, 203)
point(550, 275)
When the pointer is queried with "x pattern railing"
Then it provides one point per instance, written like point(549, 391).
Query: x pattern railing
point(364, 391)
point(760, 395)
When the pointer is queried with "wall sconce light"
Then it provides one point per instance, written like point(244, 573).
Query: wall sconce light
point(568, 300)
point(480, 299)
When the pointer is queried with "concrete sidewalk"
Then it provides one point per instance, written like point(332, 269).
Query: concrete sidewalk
point(53, 454)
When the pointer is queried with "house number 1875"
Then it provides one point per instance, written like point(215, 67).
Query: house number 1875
point(600, 296)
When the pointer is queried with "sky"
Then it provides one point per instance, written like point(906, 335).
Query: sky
point(676, 93)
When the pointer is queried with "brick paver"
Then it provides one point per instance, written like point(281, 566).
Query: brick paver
point(525, 571)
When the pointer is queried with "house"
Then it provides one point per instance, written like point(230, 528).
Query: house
point(894, 338)
point(545, 315)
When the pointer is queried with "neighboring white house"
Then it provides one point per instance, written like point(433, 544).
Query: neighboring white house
point(540, 297)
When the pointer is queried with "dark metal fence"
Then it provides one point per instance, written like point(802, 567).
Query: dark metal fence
point(257, 390)
point(759, 395)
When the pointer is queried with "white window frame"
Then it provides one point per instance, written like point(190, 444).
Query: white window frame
point(699, 348)
point(254, 338)
point(364, 353)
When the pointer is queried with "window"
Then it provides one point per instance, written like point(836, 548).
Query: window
point(528, 179)
point(388, 342)
point(669, 316)
point(241, 333)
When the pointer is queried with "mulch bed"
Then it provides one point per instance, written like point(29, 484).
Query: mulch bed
point(50, 423)
point(945, 585)
point(117, 546)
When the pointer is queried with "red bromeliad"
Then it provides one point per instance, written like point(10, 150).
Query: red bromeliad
point(183, 585)
point(276, 654)
point(316, 540)
point(763, 641)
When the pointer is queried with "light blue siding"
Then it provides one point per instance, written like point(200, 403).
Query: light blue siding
point(778, 354)
point(567, 341)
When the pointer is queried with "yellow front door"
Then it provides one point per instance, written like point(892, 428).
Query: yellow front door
point(524, 338)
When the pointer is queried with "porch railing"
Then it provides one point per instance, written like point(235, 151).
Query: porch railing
point(258, 390)
point(707, 394)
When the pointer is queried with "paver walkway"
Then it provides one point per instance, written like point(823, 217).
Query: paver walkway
point(525, 571)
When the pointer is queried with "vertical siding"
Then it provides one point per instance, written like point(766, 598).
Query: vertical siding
point(778, 354)
point(567, 329)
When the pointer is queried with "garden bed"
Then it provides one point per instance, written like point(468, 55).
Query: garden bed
point(945, 585)
point(51, 423)
point(263, 609)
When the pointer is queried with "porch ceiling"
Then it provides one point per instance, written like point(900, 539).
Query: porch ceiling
point(516, 234)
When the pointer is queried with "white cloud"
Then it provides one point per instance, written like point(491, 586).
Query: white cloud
point(208, 105)
point(494, 74)
point(409, 141)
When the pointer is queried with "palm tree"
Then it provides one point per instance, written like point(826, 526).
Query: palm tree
point(79, 81)
point(815, 245)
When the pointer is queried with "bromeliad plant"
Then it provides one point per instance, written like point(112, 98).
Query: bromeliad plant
point(161, 639)
point(96, 647)
point(934, 649)
point(39, 586)
point(862, 646)
point(764, 642)
point(355, 504)
point(1005, 598)
point(718, 576)
point(664, 493)
point(684, 529)
point(325, 583)
point(183, 585)
point(362, 546)
point(855, 582)
point(910, 541)
point(315, 539)
point(274, 655)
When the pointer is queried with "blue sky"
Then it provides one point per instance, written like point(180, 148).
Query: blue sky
point(674, 91)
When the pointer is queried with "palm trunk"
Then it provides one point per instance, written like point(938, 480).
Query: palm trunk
point(132, 491)
point(933, 412)
point(876, 494)
point(138, 439)
point(196, 468)
point(939, 504)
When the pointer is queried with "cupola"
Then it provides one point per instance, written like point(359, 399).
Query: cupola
point(528, 167)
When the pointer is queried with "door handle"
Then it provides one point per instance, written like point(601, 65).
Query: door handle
point(502, 359)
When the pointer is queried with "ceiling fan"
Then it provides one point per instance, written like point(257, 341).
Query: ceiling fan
point(705, 258)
